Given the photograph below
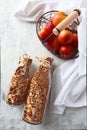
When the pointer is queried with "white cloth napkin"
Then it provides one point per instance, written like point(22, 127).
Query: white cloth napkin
point(69, 79)
point(35, 8)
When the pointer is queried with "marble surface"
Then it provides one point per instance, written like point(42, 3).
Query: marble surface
point(17, 38)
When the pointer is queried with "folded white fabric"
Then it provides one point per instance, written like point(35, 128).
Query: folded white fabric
point(68, 87)
point(35, 8)
point(69, 79)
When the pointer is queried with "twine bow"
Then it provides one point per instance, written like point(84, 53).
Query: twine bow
point(23, 62)
point(23, 59)
point(44, 61)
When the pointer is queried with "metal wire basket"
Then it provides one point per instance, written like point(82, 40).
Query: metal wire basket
point(44, 20)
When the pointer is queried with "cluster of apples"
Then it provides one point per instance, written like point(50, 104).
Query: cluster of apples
point(65, 43)
point(68, 43)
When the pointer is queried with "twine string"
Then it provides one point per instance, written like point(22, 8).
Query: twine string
point(43, 61)
point(23, 63)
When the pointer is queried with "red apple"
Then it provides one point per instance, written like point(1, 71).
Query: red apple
point(42, 34)
point(52, 43)
point(46, 30)
point(75, 40)
point(66, 51)
point(65, 37)
point(50, 25)
point(58, 17)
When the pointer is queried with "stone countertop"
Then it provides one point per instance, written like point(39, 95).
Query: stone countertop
point(18, 37)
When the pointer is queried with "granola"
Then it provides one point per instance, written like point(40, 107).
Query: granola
point(38, 93)
point(20, 82)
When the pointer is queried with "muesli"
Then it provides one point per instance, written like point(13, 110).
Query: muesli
point(20, 82)
point(38, 92)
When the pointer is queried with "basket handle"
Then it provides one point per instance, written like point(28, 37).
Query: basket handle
point(69, 19)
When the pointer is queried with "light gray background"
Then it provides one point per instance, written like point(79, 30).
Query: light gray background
point(17, 38)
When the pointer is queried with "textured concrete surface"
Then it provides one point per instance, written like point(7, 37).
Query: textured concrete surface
point(16, 38)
